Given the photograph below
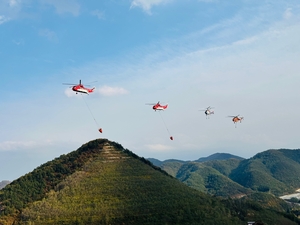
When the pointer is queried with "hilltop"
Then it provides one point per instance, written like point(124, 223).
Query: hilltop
point(103, 183)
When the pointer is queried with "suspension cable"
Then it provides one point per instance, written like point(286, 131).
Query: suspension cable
point(100, 129)
point(171, 137)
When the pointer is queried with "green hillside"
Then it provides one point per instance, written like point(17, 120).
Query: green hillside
point(208, 176)
point(209, 180)
point(225, 167)
point(275, 171)
point(272, 171)
point(171, 167)
point(218, 156)
point(103, 183)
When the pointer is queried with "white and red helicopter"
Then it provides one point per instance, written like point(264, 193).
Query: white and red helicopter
point(158, 106)
point(80, 88)
point(208, 111)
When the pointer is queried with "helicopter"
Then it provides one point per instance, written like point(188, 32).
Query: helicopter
point(208, 111)
point(236, 119)
point(80, 88)
point(158, 106)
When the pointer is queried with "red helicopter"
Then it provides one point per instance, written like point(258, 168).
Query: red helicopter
point(236, 119)
point(80, 88)
point(158, 106)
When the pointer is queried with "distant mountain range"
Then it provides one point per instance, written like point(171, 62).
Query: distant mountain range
point(216, 156)
point(222, 174)
point(4, 183)
point(219, 156)
point(103, 183)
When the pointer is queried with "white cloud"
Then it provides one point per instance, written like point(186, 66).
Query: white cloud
point(287, 14)
point(207, 1)
point(13, 3)
point(65, 6)
point(99, 14)
point(112, 91)
point(3, 19)
point(10, 10)
point(159, 147)
point(70, 93)
point(146, 5)
point(16, 145)
point(14, 9)
point(49, 34)
point(18, 42)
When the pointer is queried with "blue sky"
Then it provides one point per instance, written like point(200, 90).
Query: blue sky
point(241, 57)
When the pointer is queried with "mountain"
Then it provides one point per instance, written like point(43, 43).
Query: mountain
point(216, 156)
point(171, 166)
point(219, 156)
point(207, 174)
point(274, 171)
point(103, 183)
point(159, 163)
point(205, 178)
point(222, 174)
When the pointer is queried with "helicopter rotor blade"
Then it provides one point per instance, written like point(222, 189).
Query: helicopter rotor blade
point(92, 82)
point(89, 84)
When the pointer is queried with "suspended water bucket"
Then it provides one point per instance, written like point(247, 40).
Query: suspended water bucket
point(100, 130)
point(171, 138)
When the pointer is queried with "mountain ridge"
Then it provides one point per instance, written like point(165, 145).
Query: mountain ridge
point(103, 183)
point(215, 156)
point(273, 170)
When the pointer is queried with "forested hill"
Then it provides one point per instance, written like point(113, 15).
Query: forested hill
point(103, 183)
point(215, 156)
point(219, 156)
point(271, 171)
point(275, 171)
